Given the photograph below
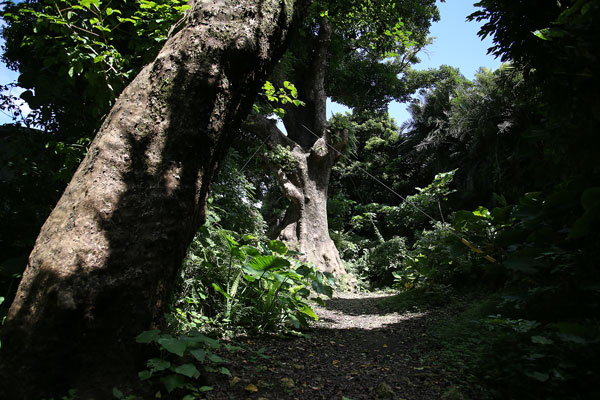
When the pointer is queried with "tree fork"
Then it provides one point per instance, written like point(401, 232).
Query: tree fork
point(105, 260)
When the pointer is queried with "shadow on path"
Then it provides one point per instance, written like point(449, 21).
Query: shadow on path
point(355, 351)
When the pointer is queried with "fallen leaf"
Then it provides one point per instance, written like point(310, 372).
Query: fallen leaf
point(288, 383)
point(336, 362)
point(251, 388)
point(234, 381)
point(385, 345)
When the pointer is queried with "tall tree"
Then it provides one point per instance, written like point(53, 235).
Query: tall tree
point(353, 52)
point(105, 259)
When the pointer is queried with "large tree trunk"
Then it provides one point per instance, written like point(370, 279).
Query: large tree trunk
point(305, 223)
point(314, 150)
point(104, 262)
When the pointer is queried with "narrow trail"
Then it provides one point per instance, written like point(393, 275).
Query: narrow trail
point(357, 350)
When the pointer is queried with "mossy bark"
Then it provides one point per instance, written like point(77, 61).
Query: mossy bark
point(105, 260)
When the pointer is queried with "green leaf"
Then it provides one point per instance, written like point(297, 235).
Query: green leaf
point(199, 354)
point(197, 337)
point(309, 311)
point(158, 364)
point(322, 289)
point(205, 388)
point(173, 345)
point(89, 3)
point(117, 393)
point(542, 34)
point(277, 246)
point(303, 270)
point(218, 289)
point(147, 336)
point(224, 371)
point(216, 359)
point(262, 263)
point(144, 375)
point(188, 370)
point(173, 382)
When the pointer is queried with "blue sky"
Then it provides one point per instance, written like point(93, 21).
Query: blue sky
point(456, 43)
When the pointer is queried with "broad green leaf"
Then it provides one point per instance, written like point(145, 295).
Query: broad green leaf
point(309, 311)
point(322, 289)
point(277, 246)
point(174, 346)
point(197, 337)
point(262, 263)
point(158, 364)
point(303, 270)
point(199, 354)
point(215, 358)
point(251, 251)
point(173, 382)
point(144, 375)
point(147, 336)
point(188, 370)
point(224, 371)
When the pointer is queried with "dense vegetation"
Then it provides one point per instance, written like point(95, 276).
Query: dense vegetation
point(489, 193)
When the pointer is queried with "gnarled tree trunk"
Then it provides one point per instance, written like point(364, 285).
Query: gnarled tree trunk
point(105, 260)
point(314, 150)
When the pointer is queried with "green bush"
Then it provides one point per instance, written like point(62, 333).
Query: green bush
point(385, 259)
point(245, 284)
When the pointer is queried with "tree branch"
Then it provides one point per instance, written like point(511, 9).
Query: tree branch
point(267, 130)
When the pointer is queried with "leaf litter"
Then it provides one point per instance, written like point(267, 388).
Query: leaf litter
point(357, 350)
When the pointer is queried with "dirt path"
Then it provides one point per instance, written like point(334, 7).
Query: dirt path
point(357, 350)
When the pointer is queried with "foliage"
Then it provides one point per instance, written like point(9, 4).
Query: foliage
point(94, 47)
point(74, 58)
point(233, 198)
point(372, 44)
point(382, 261)
point(31, 181)
point(272, 97)
point(385, 259)
point(282, 158)
point(236, 284)
point(180, 361)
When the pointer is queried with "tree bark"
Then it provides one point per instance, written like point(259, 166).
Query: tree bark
point(304, 182)
point(315, 150)
point(105, 260)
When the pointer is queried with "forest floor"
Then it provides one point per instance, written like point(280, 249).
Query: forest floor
point(359, 349)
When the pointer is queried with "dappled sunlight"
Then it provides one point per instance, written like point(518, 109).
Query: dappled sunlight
point(362, 311)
